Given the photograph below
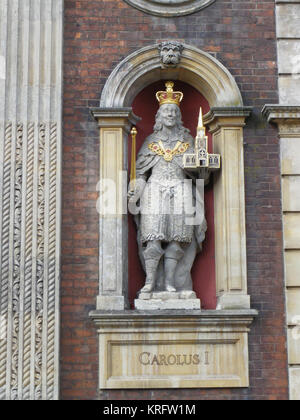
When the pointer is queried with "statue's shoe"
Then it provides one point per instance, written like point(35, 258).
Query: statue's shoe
point(170, 288)
point(147, 288)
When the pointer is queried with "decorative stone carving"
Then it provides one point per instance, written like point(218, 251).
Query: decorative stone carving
point(197, 68)
point(287, 118)
point(170, 7)
point(170, 53)
point(34, 231)
point(30, 171)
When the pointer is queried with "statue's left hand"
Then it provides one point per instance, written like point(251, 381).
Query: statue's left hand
point(204, 173)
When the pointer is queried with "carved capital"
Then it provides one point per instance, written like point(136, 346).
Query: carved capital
point(286, 117)
point(219, 117)
point(289, 128)
point(115, 117)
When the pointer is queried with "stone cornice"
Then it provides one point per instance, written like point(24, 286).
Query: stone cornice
point(173, 319)
point(115, 117)
point(239, 111)
point(286, 117)
point(275, 113)
point(226, 116)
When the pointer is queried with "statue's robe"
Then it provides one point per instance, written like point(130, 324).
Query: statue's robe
point(146, 161)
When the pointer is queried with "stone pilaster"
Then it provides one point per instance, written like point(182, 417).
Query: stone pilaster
point(114, 127)
point(287, 119)
point(30, 173)
point(226, 126)
point(288, 46)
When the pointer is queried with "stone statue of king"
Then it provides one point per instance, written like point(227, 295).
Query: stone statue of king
point(170, 219)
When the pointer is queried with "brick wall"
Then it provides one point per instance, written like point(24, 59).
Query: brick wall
point(98, 35)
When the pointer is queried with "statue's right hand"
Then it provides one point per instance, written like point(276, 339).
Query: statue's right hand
point(132, 193)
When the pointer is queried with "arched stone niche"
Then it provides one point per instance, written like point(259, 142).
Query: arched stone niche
point(170, 8)
point(196, 67)
point(220, 334)
point(225, 120)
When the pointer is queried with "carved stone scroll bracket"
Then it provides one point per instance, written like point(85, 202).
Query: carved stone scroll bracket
point(226, 126)
point(186, 349)
point(114, 127)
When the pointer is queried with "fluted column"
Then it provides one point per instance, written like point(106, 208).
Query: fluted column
point(30, 171)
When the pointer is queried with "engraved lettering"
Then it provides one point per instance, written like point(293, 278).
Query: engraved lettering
point(187, 360)
point(162, 360)
point(146, 358)
point(172, 359)
point(196, 359)
point(155, 360)
point(179, 362)
point(141, 359)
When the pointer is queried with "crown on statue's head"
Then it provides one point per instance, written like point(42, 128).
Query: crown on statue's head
point(169, 96)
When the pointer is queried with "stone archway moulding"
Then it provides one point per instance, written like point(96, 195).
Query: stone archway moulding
point(170, 7)
point(196, 67)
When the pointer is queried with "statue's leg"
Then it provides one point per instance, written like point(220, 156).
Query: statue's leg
point(152, 255)
point(173, 254)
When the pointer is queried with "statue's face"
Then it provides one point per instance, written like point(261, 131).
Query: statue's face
point(169, 114)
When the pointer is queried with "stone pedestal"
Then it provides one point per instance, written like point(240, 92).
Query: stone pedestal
point(168, 349)
point(167, 300)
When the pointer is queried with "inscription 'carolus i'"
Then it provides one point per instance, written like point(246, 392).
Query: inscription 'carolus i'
point(147, 359)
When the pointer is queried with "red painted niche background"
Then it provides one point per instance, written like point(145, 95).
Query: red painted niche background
point(145, 106)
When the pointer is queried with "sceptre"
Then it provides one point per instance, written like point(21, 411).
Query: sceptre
point(133, 156)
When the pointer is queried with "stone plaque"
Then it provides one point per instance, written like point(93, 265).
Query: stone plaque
point(203, 351)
